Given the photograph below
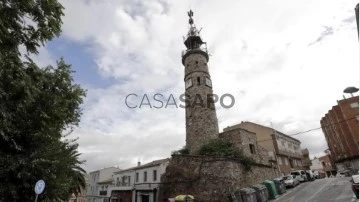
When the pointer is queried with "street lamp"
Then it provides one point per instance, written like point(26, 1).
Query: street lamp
point(351, 90)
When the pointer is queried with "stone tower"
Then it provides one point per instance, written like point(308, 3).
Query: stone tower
point(201, 120)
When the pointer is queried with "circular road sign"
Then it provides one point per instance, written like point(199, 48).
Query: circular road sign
point(39, 186)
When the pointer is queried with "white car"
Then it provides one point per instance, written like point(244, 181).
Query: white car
point(300, 175)
point(290, 181)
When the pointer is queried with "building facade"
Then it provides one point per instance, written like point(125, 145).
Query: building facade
point(323, 166)
point(201, 119)
point(285, 149)
point(341, 129)
point(99, 183)
point(306, 159)
point(138, 184)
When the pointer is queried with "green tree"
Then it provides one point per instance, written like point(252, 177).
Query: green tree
point(29, 23)
point(36, 106)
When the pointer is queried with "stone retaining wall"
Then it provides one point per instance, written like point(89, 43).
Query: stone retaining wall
point(210, 178)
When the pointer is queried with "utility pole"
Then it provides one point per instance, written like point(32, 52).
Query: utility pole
point(357, 18)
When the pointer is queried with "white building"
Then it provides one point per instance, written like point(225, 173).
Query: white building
point(99, 182)
point(140, 183)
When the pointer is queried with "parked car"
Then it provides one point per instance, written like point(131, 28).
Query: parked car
point(290, 181)
point(355, 185)
point(300, 175)
point(310, 175)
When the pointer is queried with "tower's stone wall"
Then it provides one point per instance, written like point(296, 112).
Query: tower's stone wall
point(201, 120)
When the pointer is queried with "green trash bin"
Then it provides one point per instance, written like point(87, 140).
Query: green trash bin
point(270, 185)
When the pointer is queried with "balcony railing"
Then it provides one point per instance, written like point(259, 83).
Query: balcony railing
point(122, 184)
point(185, 51)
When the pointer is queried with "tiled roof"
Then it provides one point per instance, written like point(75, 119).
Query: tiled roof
point(151, 164)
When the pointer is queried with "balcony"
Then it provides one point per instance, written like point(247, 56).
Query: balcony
point(122, 184)
point(202, 51)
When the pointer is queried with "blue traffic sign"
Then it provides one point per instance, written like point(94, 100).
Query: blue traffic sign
point(39, 186)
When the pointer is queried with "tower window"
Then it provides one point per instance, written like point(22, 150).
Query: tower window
point(198, 81)
point(252, 149)
point(196, 62)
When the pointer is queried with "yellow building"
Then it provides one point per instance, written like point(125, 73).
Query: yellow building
point(283, 148)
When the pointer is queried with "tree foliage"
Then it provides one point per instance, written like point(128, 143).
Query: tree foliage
point(37, 104)
point(29, 23)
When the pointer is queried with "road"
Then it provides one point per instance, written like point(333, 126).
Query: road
point(321, 190)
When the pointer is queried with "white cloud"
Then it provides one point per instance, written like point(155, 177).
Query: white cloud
point(260, 53)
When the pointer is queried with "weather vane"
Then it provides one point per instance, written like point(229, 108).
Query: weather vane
point(190, 14)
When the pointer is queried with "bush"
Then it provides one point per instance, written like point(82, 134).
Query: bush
point(223, 148)
point(183, 150)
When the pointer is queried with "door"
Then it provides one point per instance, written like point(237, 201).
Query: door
point(145, 198)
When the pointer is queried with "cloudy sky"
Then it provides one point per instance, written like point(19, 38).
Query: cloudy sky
point(285, 62)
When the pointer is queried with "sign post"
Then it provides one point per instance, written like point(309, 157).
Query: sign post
point(39, 188)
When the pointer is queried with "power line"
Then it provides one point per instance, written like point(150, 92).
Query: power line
point(313, 129)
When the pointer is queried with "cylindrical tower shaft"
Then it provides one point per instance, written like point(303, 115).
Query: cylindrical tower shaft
point(201, 119)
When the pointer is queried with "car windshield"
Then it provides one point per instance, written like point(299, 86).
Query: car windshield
point(355, 178)
point(288, 178)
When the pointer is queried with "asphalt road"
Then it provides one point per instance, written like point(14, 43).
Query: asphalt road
point(321, 190)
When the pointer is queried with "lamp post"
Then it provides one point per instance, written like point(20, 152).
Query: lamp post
point(351, 90)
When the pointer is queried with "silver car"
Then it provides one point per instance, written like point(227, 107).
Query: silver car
point(290, 181)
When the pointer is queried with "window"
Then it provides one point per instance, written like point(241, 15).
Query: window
point(252, 149)
point(145, 176)
point(282, 143)
point(279, 160)
point(155, 175)
point(208, 82)
point(137, 177)
point(129, 180)
point(198, 81)
point(286, 161)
